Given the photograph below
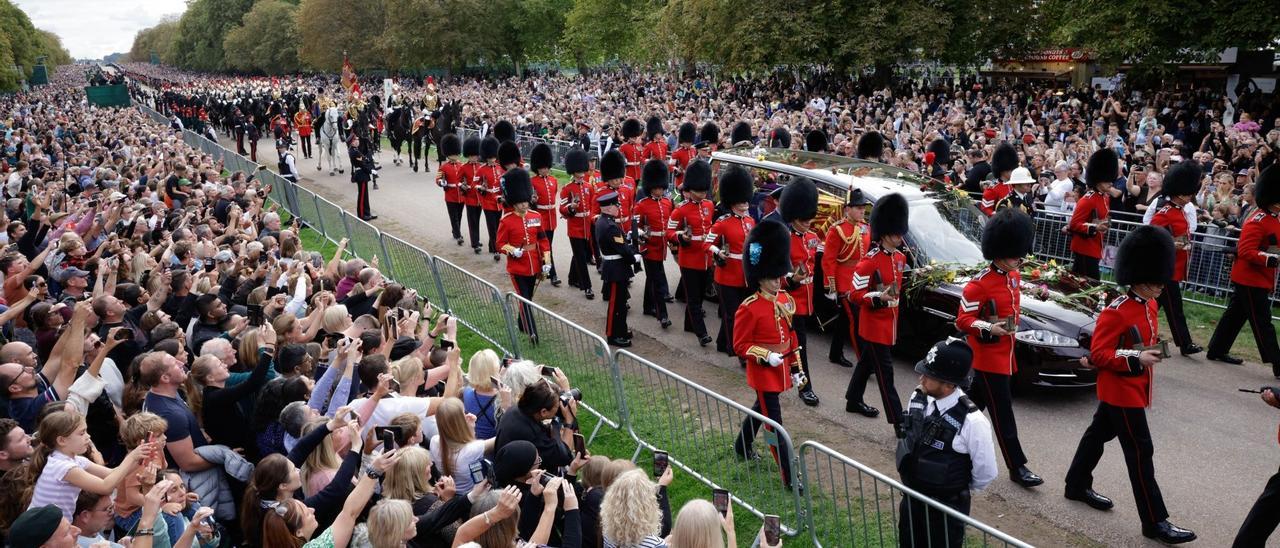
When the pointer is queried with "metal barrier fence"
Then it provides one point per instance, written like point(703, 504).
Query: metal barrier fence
point(547, 337)
point(850, 504)
point(699, 429)
point(485, 309)
point(412, 268)
point(527, 142)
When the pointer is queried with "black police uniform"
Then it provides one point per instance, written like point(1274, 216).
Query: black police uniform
point(618, 262)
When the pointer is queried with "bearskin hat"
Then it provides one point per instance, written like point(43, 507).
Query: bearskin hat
point(613, 166)
point(697, 176)
point(503, 131)
point(741, 132)
point(1266, 190)
point(653, 126)
point(941, 152)
point(1008, 234)
point(450, 145)
point(767, 252)
point(508, 153)
point(815, 141)
point(889, 216)
point(1004, 159)
point(871, 146)
point(780, 138)
point(632, 128)
point(736, 185)
point(654, 175)
point(799, 200)
point(471, 146)
point(516, 187)
point(1104, 167)
point(1145, 256)
point(575, 161)
point(540, 157)
point(488, 148)
point(1182, 179)
point(687, 133)
point(710, 134)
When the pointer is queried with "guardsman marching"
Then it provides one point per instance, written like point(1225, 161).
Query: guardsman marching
point(877, 288)
point(656, 149)
point(1252, 277)
point(945, 451)
point(361, 174)
point(684, 152)
point(710, 140)
point(781, 138)
point(1019, 196)
point(1262, 518)
point(847, 241)
point(631, 148)
point(652, 212)
point(545, 189)
point(1125, 350)
point(1181, 183)
point(687, 234)
point(508, 158)
point(522, 239)
point(1090, 220)
point(938, 160)
point(815, 141)
point(469, 186)
point(576, 210)
point(613, 172)
point(765, 338)
point(1003, 161)
point(740, 135)
point(989, 310)
point(871, 146)
point(619, 261)
point(302, 121)
point(451, 177)
point(486, 182)
point(798, 207)
point(726, 242)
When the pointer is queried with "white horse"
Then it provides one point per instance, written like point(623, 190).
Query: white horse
point(329, 142)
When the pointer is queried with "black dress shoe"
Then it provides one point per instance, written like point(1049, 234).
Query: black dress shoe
point(861, 409)
point(704, 340)
point(809, 398)
point(1024, 477)
point(1225, 358)
point(1191, 349)
point(841, 361)
point(748, 455)
point(1090, 497)
point(620, 342)
point(1168, 533)
point(669, 299)
point(665, 323)
point(497, 257)
point(555, 282)
point(476, 250)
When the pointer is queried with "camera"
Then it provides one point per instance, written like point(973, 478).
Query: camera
point(572, 393)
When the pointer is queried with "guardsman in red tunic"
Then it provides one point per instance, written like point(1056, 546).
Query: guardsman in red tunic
point(469, 187)
point(687, 234)
point(524, 242)
point(631, 148)
point(451, 177)
point(765, 338)
point(989, 310)
point(1090, 220)
point(575, 207)
point(726, 241)
point(1003, 161)
point(1126, 349)
point(798, 207)
point(613, 173)
point(684, 152)
point(656, 148)
point(847, 241)
point(651, 215)
point(508, 158)
point(1181, 183)
point(877, 288)
point(487, 184)
point(545, 190)
point(302, 121)
point(1253, 277)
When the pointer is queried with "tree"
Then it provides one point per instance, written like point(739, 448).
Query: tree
point(454, 39)
point(201, 30)
point(51, 48)
point(159, 39)
point(266, 41)
point(326, 28)
point(23, 42)
point(601, 30)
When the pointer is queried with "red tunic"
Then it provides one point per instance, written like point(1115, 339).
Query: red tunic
point(730, 233)
point(804, 250)
point(451, 174)
point(846, 244)
point(682, 156)
point(1261, 231)
point(626, 200)
point(991, 196)
point(695, 215)
point(991, 293)
point(656, 150)
point(652, 215)
point(574, 207)
point(302, 120)
point(544, 191)
point(762, 324)
point(470, 174)
point(1122, 381)
point(526, 233)
point(878, 268)
point(487, 176)
point(1172, 218)
point(635, 157)
point(1090, 209)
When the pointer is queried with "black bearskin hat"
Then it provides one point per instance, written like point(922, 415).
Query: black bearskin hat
point(736, 185)
point(1009, 234)
point(941, 152)
point(508, 153)
point(450, 145)
point(653, 126)
point(1104, 167)
point(488, 148)
point(815, 141)
point(767, 252)
point(471, 146)
point(503, 131)
point(1145, 256)
point(889, 216)
point(799, 200)
point(871, 146)
point(1266, 190)
point(516, 187)
point(575, 161)
point(697, 176)
point(613, 166)
point(780, 138)
point(1182, 179)
point(687, 133)
point(741, 132)
point(632, 128)
point(1005, 158)
point(950, 361)
point(540, 157)
point(710, 134)
point(654, 175)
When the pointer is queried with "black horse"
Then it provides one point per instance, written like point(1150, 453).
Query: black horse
point(447, 122)
point(399, 128)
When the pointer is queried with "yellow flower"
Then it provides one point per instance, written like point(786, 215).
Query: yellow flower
point(951, 276)
point(1053, 262)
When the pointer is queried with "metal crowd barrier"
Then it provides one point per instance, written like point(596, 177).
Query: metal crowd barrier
point(485, 310)
point(527, 142)
point(412, 268)
point(859, 506)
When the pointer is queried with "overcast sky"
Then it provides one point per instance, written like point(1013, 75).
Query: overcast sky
point(92, 29)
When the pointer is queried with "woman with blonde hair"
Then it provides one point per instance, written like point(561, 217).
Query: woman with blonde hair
point(391, 524)
point(480, 397)
point(455, 447)
point(437, 508)
point(247, 352)
point(323, 462)
point(633, 512)
point(699, 525)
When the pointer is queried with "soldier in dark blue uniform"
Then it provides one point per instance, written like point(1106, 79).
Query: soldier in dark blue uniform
point(618, 263)
point(361, 174)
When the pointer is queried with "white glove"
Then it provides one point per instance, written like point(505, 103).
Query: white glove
point(831, 296)
point(774, 359)
point(714, 250)
point(798, 379)
point(638, 258)
point(546, 269)
point(517, 252)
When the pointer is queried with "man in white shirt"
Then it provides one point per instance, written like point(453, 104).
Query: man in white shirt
point(1056, 200)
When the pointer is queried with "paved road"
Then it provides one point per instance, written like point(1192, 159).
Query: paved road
point(1215, 447)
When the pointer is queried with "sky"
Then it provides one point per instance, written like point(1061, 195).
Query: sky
point(94, 28)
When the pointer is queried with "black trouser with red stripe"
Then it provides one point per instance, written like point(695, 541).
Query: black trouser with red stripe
point(800, 325)
point(730, 298)
point(524, 287)
point(1252, 304)
point(1171, 301)
point(1086, 266)
point(842, 330)
point(992, 390)
point(473, 225)
point(655, 288)
point(455, 218)
point(579, 275)
point(695, 289)
point(875, 359)
point(1130, 425)
point(362, 200)
point(1262, 518)
point(491, 217)
point(766, 404)
point(306, 145)
point(616, 321)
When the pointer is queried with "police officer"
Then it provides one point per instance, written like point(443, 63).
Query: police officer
point(619, 260)
point(1125, 352)
point(1252, 277)
point(651, 215)
point(687, 232)
point(1181, 183)
point(545, 187)
point(877, 288)
point(522, 239)
point(847, 241)
point(287, 166)
point(989, 309)
point(575, 207)
point(945, 451)
point(726, 242)
point(361, 174)
point(1088, 225)
point(797, 208)
point(1265, 514)
point(451, 177)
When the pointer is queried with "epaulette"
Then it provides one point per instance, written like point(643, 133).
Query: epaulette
point(968, 404)
point(1119, 301)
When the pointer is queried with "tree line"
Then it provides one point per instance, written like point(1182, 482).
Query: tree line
point(21, 43)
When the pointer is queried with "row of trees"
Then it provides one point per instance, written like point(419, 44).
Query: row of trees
point(277, 36)
point(21, 43)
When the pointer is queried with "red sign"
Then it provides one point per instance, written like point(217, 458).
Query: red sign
point(1055, 55)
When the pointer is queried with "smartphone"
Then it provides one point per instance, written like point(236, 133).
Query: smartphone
point(332, 339)
point(660, 463)
point(545, 479)
point(124, 334)
point(548, 371)
point(579, 444)
point(256, 318)
point(772, 529)
point(208, 265)
point(476, 469)
point(446, 344)
point(720, 498)
point(388, 435)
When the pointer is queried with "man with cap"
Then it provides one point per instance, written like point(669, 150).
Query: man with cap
point(765, 338)
point(619, 259)
point(576, 209)
point(726, 243)
point(287, 166)
point(1125, 351)
point(1091, 218)
point(1003, 161)
point(43, 527)
point(523, 240)
point(656, 149)
point(1019, 196)
point(684, 152)
point(488, 186)
point(989, 310)
point(1253, 276)
point(848, 240)
point(469, 187)
point(1181, 183)
point(797, 208)
point(545, 188)
point(75, 285)
point(945, 452)
point(687, 232)
point(451, 177)
point(877, 287)
point(361, 174)
point(652, 212)
point(631, 148)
